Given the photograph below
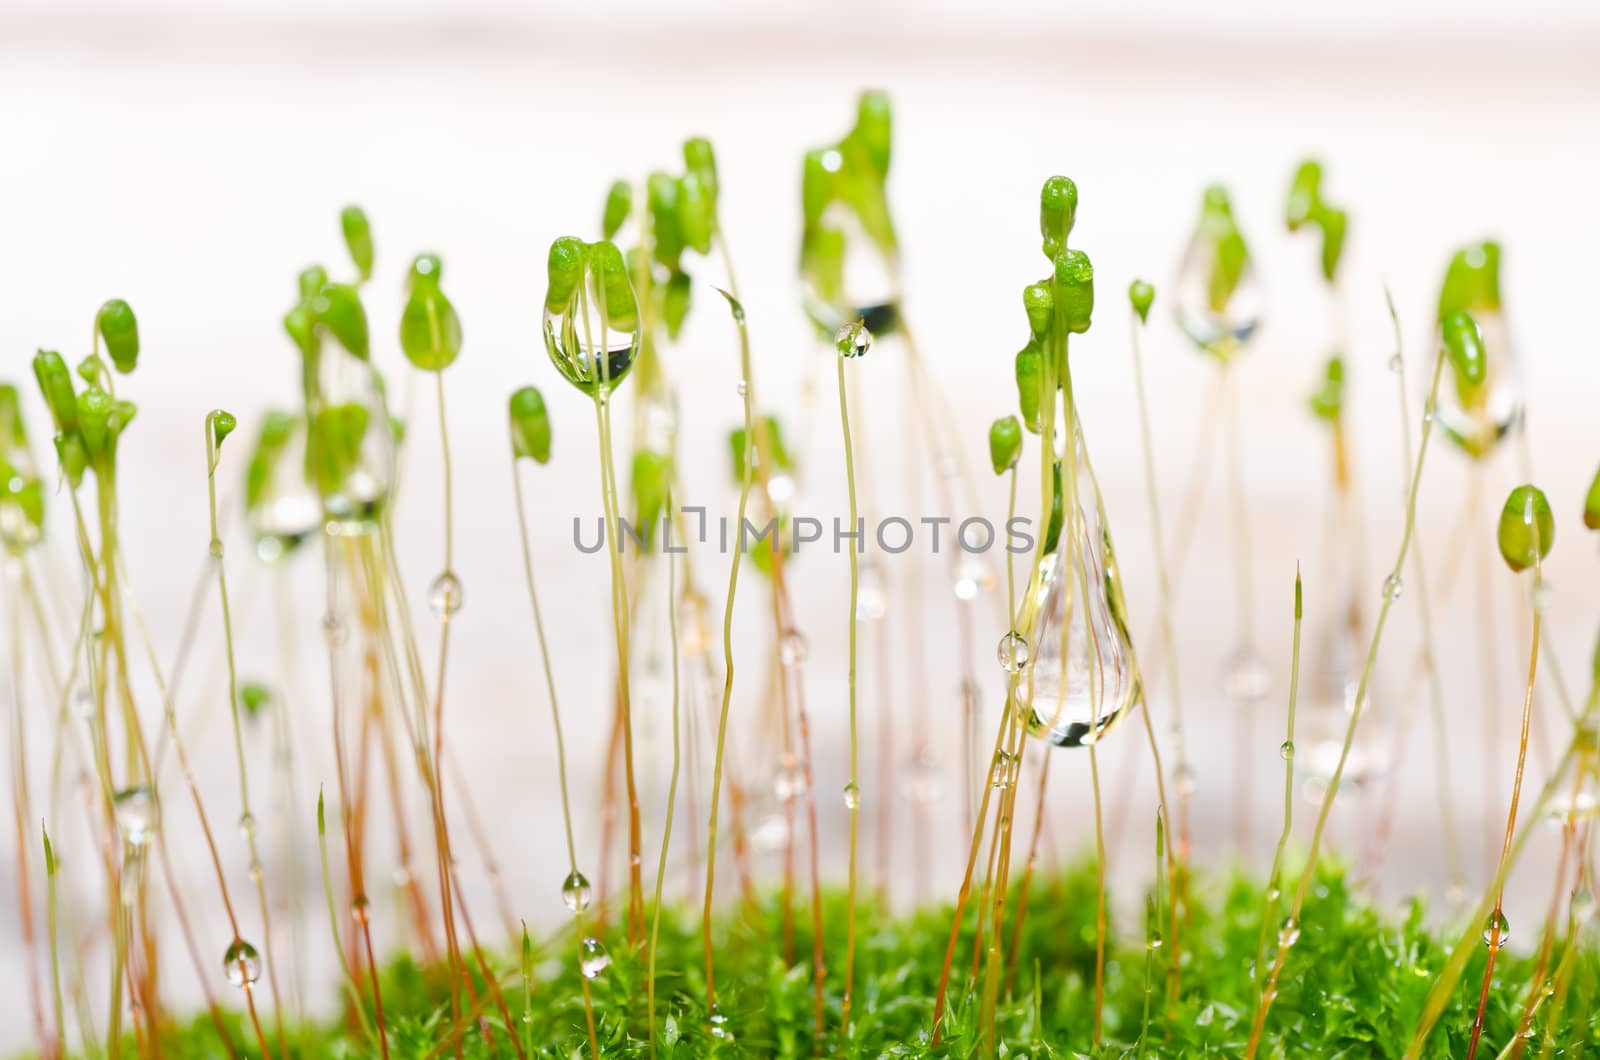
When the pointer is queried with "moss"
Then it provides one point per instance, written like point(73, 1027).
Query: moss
point(1354, 987)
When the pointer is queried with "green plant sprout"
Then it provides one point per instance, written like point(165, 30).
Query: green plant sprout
point(1302, 963)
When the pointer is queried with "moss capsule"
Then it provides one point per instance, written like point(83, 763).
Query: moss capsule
point(119, 330)
point(1005, 444)
point(1527, 528)
point(358, 239)
point(1141, 296)
point(530, 426)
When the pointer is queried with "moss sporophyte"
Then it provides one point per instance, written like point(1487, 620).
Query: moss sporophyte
point(694, 916)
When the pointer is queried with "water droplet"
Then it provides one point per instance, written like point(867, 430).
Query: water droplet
point(972, 578)
point(789, 783)
point(1183, 779)
point(1583, 905)
point(593, 958)
point(137, 814)
point(1273, 894)
point(780, 488)
point(1478, 417)
point(333, 628)
point(792, 648)
point(923, 782)
point(1000, 772)
point(361, 909)
point(1391, 587)
point(719, 1025)
point(1288, 931)
point(1395, 362)
point(852, 796)
point(1013, 652)
point(446, 596)
point(247, 825)
point(255, 870)
point(743, 387)
point(1246, 678)
point(1155, 940)
point(853, 339)
point(241, 963)
point(576, 892)
point(1286, 750)
point(1496, 929)
point(83, 704)
point(771, 834)
point(1541, 596)
point(1219, 301)
point(871, 603)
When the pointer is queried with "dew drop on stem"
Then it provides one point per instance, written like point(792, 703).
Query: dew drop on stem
point(576, 892)
point(593, 958)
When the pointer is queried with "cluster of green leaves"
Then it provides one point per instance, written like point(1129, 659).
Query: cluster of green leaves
point(1056, 306)
point(849, 175)
point(1355, 985)
point(90, 420)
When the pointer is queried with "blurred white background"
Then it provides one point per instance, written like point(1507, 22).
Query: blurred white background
point(192, 157)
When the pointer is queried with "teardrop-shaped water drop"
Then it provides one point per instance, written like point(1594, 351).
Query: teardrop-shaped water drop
point(792, 648)
point(446, 596)
point(1218, 301)
point(1288, 932)
point(1496, 929)
point(593, 350)
point(1477, 417)
point(1082, 679)
point(350, 442)
point(241, 963)
point(575, 892)
point(1286, 750)
point(137, 814)
point(593, 958)
point(852, 796)
point(845, 275)
point(1012, 652)
point(282, 507)
point(1391, 587)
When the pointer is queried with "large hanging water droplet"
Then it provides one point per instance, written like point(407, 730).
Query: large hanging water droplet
point(241, 963)
point(137, 814)
point(1012, 652)
point(575, 892)
point(852, 796)
point(282, 507)
point(1082, 681)
point(845, 276)
point(593, 958)
point(593, 351)
point(350, 442)
point(1496, 929)
point(1476, 418)
point(446, 596)
point(1218, 301)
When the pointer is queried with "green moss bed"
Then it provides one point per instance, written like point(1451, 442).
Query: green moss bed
point(1354, 986)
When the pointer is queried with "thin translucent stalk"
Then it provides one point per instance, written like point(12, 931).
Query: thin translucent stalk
point(333, 926)
point(1274, 885)
point(22, 810)
point(1244, 598)
point(51, 902)
point(619, 603)
point(246, 818)
point(1511, 818)
point(855, 786)
point(672, 796)
point(1270, 990)
point(727, 650)
point(1163, 586)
